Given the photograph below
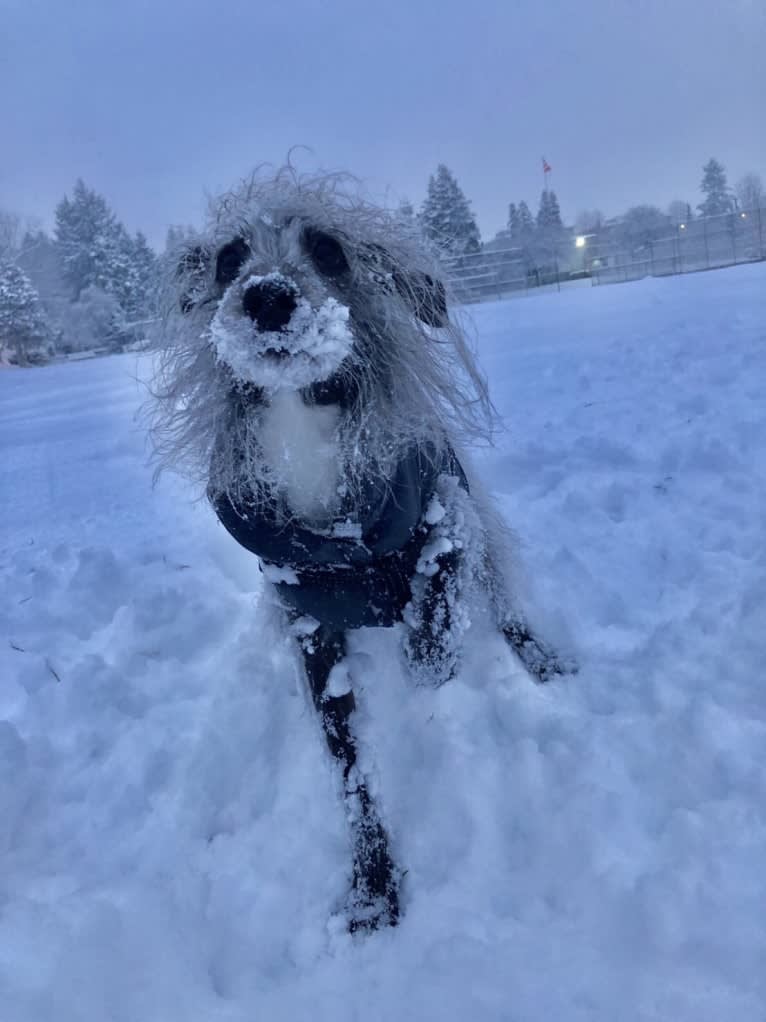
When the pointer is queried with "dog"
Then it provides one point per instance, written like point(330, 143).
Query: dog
point(313, 377)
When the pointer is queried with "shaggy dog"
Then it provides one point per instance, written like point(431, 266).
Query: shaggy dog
point(313, 379)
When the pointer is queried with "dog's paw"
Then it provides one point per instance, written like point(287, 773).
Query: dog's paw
point(541, 661)
point(374, 899)
point(431, 661)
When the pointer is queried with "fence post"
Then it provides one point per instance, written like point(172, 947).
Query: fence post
point(760, 233)
point(707, 250)
point(734, 219)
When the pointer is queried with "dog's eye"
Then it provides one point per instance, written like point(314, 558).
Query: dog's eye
point(230, 260)
point(326, 253)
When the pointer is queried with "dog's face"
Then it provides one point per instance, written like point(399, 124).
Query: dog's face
point(298, 283)
point(282, 302)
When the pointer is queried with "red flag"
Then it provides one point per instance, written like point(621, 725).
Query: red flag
point(546, 166)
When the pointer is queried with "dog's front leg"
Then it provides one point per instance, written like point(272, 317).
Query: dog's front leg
point(432, 640)
point(375, 890)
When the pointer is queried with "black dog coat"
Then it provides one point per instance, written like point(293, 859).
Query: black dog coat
point(357, 573)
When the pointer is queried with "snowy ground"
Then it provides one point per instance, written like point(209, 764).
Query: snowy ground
point(171, 844)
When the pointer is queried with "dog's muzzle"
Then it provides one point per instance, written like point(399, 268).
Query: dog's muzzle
point(269, 334)
point(270, 304)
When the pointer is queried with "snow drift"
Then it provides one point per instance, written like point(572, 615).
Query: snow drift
point(171, 841)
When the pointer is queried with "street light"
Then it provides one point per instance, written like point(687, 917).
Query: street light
point(580, 241)
point(682, 227)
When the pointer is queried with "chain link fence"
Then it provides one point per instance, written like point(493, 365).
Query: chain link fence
point(703, 244)
point(609, 256)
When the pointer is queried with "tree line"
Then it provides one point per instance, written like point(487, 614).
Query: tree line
point(542, 238)
point(91, 284)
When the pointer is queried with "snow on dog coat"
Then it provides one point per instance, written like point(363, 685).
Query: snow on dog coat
point(357, 572)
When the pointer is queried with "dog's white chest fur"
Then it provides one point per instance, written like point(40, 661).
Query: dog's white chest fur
point(299, 443)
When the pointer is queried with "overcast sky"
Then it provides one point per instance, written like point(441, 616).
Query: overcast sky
point(153, 102)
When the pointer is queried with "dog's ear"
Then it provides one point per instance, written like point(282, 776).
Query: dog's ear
point(426, 297)
point(192, 268)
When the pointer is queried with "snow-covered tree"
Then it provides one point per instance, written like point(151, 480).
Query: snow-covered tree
point(38, 258)
point(750, 192)
point(87, 240)
point(24, 332)
point(714, 187)
point(526, 221)
point(95, 320)
point(142, 301)
point(97, 252)
point(10, 233)
point(134, 268)
point(642, 225)
point(550, 235)
point(523, 232)
point(549, 214)
point(446, 216)
point(513, 221)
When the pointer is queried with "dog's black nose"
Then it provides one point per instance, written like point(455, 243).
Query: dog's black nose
point(269, 304)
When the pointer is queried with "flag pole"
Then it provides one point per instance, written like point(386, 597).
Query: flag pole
point(546, 171)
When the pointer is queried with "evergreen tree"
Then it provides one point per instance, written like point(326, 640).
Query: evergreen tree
point(446, 216)
point(550, 230)
point(514, 224)
point(549, 214)
point(134, 270)
point(714, 187)
point(526, 235)
point(142, 303)
point(10, 228)
point(24, 332)
point(87, 239)
point(97, 252)
point(38, 258)
point(526, 222)
point(120, 277)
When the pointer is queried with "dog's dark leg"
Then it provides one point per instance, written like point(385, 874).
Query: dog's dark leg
point(430, 644)
point(542, 662)
point(375, 894)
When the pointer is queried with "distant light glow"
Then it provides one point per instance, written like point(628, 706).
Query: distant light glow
point(580, 241)
point(743, 215)
point(682, 227)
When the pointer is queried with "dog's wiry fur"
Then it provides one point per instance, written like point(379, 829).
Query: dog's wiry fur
point(411, 385)
point(308, 317)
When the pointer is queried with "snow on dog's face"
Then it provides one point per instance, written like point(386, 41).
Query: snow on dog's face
point(297, 283)
point(283, 298)
point(277, 324)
